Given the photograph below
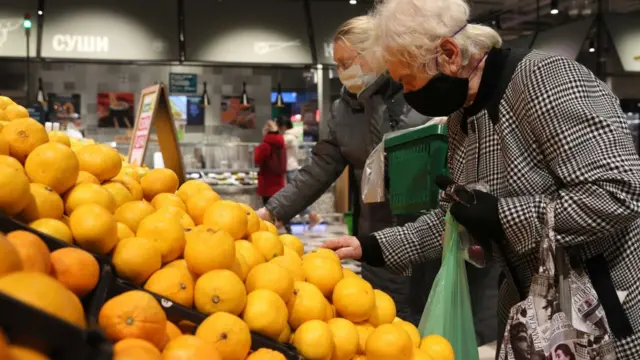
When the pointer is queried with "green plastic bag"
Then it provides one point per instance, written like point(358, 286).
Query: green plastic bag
point(448, 310)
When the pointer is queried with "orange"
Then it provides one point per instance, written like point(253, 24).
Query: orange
point(172, 330)
point(209, 250)
point(354, 300)
point(172, 284)
point(159, 181)
point(129, 171)
point(134, 314)
point(135, 349)
point(54, 228)
point(323, 253)
point(76, 269)
point(307, 304)
point(271, 277)
point(388, 342)
point(220, 290)
point(292, 243)
point(314, 340)
point(16, 352)
point(14, 190)
point(4, 145)
point(124, 232)
point(384, 311)
point(292, 265)
point(268, 244)
point(15, 111)
point(189, 347)
point(54, 165)
point(60, 137)
point(4, 102)
point(24, 135)
point(348, 273)
point(33, 252)
point(286, 335)
point(45, 293)
point(120, 193)
point(413, 332)
point(181, 265)
point(240, 267)
point(10, 260)
point(132, 213)
point(228, 333)
point(249, 252)
point(197, 205)
point(177, 213)
point(82, 194)
point(100, 160)
point(166, 232)
point(364, 331)
point(11, 162)
point(227, 216)
point(263, 226)
point(43, 203)
point(437, 347)
point(345, 339)
point(265, 313)
point(323, 273)
point(253, 221)
point(166, 199)
point(266, 354)
point(94, 228)
point(132, 185)
point(135, 259)
point(271, 228)
point(86, 178)
point(192, 187)
point(419, 354)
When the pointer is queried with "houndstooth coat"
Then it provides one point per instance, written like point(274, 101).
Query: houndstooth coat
point(560, 132)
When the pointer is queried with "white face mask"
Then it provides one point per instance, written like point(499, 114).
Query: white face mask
point(356, 80)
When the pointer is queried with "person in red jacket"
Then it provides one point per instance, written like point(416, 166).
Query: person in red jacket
point(271, 158)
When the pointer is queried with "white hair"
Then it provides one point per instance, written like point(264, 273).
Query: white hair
point(411, 30)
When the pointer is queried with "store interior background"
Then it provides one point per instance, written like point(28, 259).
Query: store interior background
point(219, 41)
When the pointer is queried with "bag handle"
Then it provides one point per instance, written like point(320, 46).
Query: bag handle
point(554, 259)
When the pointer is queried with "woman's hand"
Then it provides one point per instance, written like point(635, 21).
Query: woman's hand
point(346, 247)
point(264, 214)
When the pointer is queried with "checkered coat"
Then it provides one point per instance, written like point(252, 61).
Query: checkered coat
point(560, 132)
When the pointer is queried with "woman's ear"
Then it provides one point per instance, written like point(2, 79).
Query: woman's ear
point(450, 58)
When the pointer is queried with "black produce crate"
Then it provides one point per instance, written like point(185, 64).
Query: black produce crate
point(176, 313)
point(60, 340)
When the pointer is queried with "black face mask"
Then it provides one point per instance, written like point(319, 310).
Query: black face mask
point(441, 96)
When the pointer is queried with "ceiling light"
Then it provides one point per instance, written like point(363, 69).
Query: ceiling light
point(353, 2)
point(554, 7)
point(592, 46)
point(40, 12)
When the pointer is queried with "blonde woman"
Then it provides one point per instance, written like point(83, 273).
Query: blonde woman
point(371, 104)
point(531, 126)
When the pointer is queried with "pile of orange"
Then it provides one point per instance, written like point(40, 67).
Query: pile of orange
point(186, 244)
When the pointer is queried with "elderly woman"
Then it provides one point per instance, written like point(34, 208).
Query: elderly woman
point(530, 126)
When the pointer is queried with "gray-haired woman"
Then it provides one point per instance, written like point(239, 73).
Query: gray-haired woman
point(530, 126)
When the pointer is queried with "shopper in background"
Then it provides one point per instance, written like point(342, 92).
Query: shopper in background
point(271, 158)
point(292, 138)
point(531, 127)
point(371, 104)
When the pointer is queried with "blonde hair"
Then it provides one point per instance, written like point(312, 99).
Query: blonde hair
point(356, 33)
point(410, 30)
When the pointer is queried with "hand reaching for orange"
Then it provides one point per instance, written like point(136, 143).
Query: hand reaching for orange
point(346, 247)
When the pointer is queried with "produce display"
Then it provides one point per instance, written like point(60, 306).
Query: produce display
point(185, 244)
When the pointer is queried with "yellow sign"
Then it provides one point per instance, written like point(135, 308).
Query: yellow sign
point(154, 110)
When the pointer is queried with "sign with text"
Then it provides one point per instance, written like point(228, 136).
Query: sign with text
point(155, 111)
point(565, 40)
point(183, 83)
point(13, 40)
point(625, 33)
point(327, 18)
point(96, 30)
point(247, 31)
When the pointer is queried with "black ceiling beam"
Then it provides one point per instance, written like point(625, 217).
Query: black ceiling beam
point(312, 37)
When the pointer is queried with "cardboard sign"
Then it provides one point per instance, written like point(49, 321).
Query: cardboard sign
point(154, 110)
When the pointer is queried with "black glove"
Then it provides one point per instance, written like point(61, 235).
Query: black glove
point(476, 210)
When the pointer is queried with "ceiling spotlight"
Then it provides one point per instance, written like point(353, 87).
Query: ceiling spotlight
point(554, 7)
point(39, 12)
point(592, 46)
point(353, 2)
